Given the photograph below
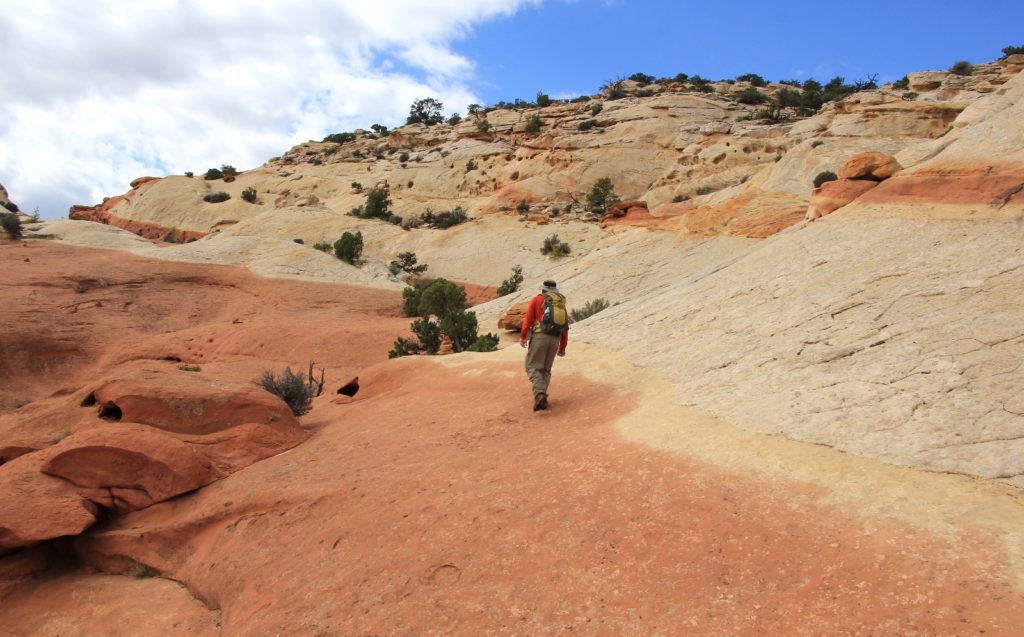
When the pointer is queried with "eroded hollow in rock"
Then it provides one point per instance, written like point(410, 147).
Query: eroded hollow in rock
point(350, 389)
point(110, 412)
point(89, 400)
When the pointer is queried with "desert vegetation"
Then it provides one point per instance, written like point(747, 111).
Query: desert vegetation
point(406, 262)
point(441, 308)
point(512, 283)
point(216, 197)
point(297, 390)
point(349, 247)
point(601, 195)
point(11, 224)
point(554, 247)
point(823, 176)
point(589, 309)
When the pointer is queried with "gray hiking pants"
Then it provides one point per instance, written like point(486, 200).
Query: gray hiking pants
point(539, 357)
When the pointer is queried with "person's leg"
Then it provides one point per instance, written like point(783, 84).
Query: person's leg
point(535, 357)
point(552, 343)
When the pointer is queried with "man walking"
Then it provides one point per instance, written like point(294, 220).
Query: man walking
point(546, 332)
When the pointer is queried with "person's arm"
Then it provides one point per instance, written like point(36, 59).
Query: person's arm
point(529, 320)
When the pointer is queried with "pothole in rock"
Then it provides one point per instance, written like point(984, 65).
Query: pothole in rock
point(350, 388)
point(89, 400)
point(111, 412)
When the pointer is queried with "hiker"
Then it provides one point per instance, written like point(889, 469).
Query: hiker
point(546, 331)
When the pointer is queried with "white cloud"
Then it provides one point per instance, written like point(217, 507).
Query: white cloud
point(98, 93)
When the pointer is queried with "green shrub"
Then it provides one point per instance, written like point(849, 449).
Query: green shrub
point(753, 78)
point(705, 190)
point(185, 367)
point(902, 83)
point(411, 298)
point(511, 284)
point(445, 219)
point(403, 157)
point(823, 176)
point(596, 108)
point(909, 95)
point(406, 262)
point(340, 138)
point(522, 207)
point(543, 99)
point(447, 302)
point(470, 165)
point(213, 173)
point(454, 120)
point(404, 347)
point(601, 195)
point(249, 194)
point(586, 124)
point(425, 111)
point(429, 334)
point(482, 125)
point(589, 309)
point(533, 124)
point(751, 95)
point(323, 246)
point(217, 197)
point(228, 170)
point(680, 198)
point(296, 390)
point(11, 224)
point(377, 206)
point(330, 150)
point(581, 98)
point(614, 89)
point(642, 79)
point(1012, 50)
point(555, 248)
point(349, 247)
point(816, 143)
point(357, 187)
point(380, 129)
point(963, 68)
point(484, 343)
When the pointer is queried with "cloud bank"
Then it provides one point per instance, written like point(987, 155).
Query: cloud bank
point(98, 93)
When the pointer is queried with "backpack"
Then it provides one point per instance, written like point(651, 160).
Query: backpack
point(553, 319)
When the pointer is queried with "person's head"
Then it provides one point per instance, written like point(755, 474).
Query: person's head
point(549, 285)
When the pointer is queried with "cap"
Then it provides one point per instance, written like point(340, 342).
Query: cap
point(550, 285)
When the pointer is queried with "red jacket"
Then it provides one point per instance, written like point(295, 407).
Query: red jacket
point(533, 313)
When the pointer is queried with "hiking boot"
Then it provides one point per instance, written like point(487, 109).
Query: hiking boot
point(540, 401)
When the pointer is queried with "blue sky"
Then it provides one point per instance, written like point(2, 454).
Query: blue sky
point(574, 47)
point(98, 93)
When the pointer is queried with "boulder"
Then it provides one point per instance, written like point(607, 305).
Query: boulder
point(139, 181)
point(129, 467)
point(926, 81)
point(187, 403)
point(35, 507)
point(621, 208)
point(833, 195)
point(513, 319)
point(869, 165)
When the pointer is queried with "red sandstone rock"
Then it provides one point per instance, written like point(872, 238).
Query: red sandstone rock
point(621, 208)
point(188, 403)
point(869, 165)
point(514, 317)
point(35, 507)
point(833, 195)
point(131, 464)
point(140, 181)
